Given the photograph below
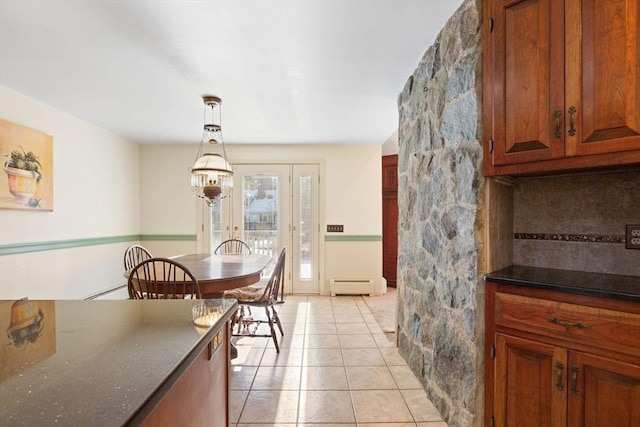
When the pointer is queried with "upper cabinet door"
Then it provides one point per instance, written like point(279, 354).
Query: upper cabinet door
point(561, 85)
point(528, 87)
point(602, 76)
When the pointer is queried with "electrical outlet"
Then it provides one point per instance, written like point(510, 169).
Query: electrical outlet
point(334, 228)
point(633, 236)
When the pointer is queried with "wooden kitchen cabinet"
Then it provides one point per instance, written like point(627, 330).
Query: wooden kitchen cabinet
point(201, 396)
point(561, 85)
point(558, 359)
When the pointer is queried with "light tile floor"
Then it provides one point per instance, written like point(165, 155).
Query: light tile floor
point(336, 367)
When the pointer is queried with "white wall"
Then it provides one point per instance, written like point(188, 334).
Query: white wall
point(390, 146)
point(167, 202)
point(350, 192)
point(352, 181)
point(96, 195)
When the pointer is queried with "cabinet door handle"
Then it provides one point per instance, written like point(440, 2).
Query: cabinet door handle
point(556, 118)
point(574, 379)
point(572, 130)
point(578, 325)
point(559, 369)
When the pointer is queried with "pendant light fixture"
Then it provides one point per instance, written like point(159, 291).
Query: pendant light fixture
point(211, 175)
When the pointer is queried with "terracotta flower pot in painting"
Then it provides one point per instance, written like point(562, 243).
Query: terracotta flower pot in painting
point(22, 184)
point(23, 173)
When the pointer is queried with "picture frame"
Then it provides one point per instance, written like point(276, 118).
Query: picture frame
point(26, 179)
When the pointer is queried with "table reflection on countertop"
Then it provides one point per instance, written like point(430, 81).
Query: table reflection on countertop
point(96, 362)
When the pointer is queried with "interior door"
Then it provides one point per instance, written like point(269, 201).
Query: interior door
point(390, 218)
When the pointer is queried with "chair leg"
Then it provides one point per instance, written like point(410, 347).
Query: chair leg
point(277, 319)
point(234, 320)
point(273, 330)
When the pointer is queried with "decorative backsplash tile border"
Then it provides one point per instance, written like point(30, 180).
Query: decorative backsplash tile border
point(586, 238)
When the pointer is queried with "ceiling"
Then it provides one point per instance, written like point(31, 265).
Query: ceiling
point(288, 71)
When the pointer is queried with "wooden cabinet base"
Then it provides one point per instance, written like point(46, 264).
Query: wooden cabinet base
point(200, 396)
point(559, 359)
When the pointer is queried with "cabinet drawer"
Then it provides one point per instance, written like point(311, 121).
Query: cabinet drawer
point(613, 330)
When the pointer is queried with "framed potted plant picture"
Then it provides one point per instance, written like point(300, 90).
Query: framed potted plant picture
point(26, 181)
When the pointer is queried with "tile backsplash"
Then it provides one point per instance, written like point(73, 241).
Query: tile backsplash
point(577, 222)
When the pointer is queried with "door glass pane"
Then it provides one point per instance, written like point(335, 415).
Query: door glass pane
point(260, 213)
point(305, 238)
point(216, 225)
point(305, 227)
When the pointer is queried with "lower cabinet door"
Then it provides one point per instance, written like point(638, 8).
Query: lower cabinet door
point(530, 383)
point(603, 392)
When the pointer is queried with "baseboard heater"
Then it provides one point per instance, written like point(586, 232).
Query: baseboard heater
point(351, 287)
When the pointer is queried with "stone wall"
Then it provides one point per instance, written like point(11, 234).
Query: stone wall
point(440, 179)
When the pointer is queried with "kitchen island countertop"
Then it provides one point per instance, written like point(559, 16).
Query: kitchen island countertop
point(97, 363)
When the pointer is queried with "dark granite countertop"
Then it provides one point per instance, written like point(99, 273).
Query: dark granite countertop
point(577, 282)
point(96, 363)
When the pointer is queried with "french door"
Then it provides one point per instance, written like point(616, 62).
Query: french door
point(272, 206)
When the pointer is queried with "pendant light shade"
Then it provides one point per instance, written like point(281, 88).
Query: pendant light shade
point(211, 174)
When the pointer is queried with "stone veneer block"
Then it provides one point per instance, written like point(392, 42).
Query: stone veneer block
point(440, 178)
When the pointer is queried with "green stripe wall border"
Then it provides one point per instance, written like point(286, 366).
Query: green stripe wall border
point(351, 238)
point(168, 237)
point(22, 248)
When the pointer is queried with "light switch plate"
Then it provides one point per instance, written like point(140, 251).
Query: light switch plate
point(335, 228)
point(632, 238)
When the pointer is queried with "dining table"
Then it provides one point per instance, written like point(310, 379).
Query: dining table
point(219, 273)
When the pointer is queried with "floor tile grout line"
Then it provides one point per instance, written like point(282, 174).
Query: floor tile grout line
point(353, 404)
point(306, 318)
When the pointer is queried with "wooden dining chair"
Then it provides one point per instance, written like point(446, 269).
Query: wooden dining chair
point(232, 246)
point(265, 297)
point(162, 278)
point(134, 255)
point(235, 247)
